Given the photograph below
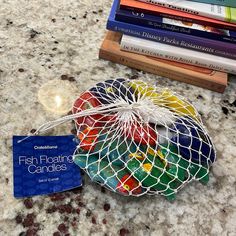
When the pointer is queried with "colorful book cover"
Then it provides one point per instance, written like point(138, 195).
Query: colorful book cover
point(202, 77)
point(155, 22)
point(172, 53)
point(172, 38)
point(222, 13)
point(135, 5)
point(229, 3)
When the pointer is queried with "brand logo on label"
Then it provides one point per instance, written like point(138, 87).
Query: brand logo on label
point(45, 147)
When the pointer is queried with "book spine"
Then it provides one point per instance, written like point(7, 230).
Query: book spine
point(172, 53)
point(229, 3)
point(177, 17)
point(155, 22)
point(154, 69)
point(212, 11)
point(177, 39)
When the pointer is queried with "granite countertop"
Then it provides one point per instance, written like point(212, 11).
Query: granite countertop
point(42, 41)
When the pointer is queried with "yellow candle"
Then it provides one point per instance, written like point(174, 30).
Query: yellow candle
point(166, 98)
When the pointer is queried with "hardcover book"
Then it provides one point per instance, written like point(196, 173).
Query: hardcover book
point(156, 22)
point(173, 14)
point(213, 11)
point(172, 38)
point(160, 50)
point(229, 3)
point(202, 77)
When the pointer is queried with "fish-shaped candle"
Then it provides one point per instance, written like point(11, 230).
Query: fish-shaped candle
point(151, 174)
point(112, 90)
point(114, 149)
point(165, 98)
point(86, 101)
point(138, 139)
point(113, 177)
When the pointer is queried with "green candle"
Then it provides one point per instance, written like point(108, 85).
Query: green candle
point(152, 175)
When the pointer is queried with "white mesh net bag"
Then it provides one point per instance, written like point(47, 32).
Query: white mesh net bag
point(138, 139)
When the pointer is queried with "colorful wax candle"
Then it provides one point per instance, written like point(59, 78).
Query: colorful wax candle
point(88, 138)
point(114, 148)
point(152, 175)
point(110, 91)
point(142, 134)
point(165, 98)
point(192, 141)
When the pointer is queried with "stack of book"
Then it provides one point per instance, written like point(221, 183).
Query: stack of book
point(189, 41)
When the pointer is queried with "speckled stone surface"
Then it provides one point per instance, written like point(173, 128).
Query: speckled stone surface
point(45, 40)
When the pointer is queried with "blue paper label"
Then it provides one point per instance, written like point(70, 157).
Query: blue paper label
point(44, 165)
